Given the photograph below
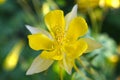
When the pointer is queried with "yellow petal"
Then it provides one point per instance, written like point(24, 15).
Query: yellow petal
point(76, 49)
point(67, 64)
point(55, 54)
point(12, 58)
point(55, 22)
point(40, 42)
point(71, 15)
point(78, 27)
point(39, 64)
point(92, 44)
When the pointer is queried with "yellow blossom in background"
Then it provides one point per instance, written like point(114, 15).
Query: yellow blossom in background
point(85, 5)
point(114, 58)
point(45, 8)
point(110, 3)
point(12, 58)
point(62, 43)
point(96, 14)
point(2, 1)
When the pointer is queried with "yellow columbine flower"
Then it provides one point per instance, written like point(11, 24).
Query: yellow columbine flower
point(62, 43)
point(86, 5)
point(2, 1)
point(110, 3)
point(12, 58)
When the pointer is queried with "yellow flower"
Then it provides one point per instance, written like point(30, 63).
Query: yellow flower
point(2, 1)
point(12, 58)
point(110, 3)
point(62, 43)
point(85, 5)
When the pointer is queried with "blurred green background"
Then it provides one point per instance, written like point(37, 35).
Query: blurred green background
point(102, 16)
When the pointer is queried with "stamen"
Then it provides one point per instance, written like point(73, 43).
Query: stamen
point(59, 34)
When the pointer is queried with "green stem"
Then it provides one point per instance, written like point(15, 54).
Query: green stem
point(83, 65)
point(77, 70)
point(61, 73)
point(36, 4)
point(29, 13)
point(95, 26)
point(92, 72)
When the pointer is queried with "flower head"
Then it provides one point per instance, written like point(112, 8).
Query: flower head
point(86, 5)
point(109, 3)
point(63, 43)
point(2, 1)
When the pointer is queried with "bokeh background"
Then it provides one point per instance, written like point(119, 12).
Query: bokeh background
point(102, 16)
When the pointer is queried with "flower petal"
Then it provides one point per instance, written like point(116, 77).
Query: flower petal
point(92, 44)
point(39, 64)
point(55, 22)
point(34, 30)
point(67, 64)
point(75, 49)
point(40, 42)
point(71, 15)
point(78, 27)
point(55, 54)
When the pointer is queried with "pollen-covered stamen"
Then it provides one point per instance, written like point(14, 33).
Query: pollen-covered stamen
point(59, 35)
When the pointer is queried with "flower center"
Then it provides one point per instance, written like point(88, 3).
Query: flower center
point(59, 35)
